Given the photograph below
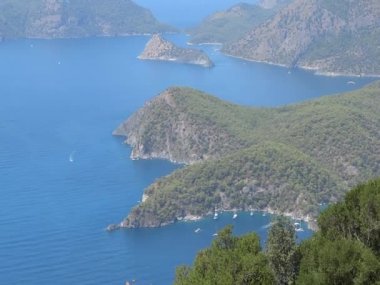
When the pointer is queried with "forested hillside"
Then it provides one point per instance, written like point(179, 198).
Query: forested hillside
point(285, 160)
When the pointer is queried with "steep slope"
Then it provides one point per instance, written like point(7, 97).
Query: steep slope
point(184, 125)
point(79, 18)
point(336, 37)
point(230, 25)
point(234, 23)
point(160, 49)
point(286, 159)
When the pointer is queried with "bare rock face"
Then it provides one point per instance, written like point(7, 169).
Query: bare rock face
point(327, 36)
point(160, 49)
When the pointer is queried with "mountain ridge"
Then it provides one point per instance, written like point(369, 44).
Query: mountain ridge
point(333, 39)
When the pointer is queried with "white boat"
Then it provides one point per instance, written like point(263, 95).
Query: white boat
point(215, 235)
point(197, 230)
point(351, 82)
point(251, 213)
point(298, 227)
point(234, 216)
point(216, 215)
point(71, 157)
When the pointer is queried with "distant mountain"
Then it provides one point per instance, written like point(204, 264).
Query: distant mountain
point(75, 18)
point(270, 4)
point(160, 49)
point(283, 160)
point(232, 24)
point(333, 37)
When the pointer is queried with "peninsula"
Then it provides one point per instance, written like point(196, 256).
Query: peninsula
point(285, 160)
point(160, 49)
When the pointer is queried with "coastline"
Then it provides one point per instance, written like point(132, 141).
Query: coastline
point(306, 68)
point(48, 38)
point(311, 223)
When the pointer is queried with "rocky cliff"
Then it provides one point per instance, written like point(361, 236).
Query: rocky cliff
point(334, 37)
point(160, 49)
point(71, 19)
point(283, 160)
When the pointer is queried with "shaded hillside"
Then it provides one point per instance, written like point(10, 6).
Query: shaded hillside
point(333, 37)
point(71, 19)
point(286, 159)
point(232, 24)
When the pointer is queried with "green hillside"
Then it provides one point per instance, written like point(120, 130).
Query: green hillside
point(286, 160)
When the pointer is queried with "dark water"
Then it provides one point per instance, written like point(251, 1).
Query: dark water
point(61, 99)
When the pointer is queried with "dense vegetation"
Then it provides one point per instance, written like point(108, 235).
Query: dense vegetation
point(287, 160)
point(79, 18)
point(345, 251)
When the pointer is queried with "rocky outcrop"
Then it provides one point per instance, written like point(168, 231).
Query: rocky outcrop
point(335, 37)
point(160, 49)
point(72, 19)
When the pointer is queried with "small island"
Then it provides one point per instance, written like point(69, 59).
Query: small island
point(160, 49)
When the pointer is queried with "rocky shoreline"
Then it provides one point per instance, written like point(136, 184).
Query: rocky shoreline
point(311, 222)
point(316, 71)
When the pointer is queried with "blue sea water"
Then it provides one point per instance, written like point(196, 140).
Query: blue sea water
point(60, 101)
